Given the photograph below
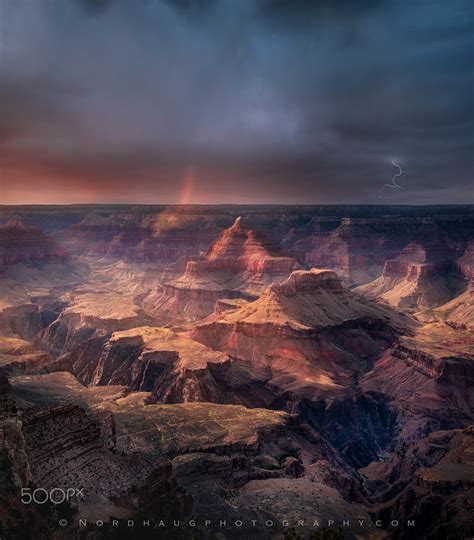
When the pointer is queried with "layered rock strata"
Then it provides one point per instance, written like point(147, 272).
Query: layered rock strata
point(239, 264)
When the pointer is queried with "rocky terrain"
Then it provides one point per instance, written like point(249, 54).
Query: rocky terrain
point(428, 480)
point(328, 332)
point(459, 311)
point(358, 248)
point(207, 452)
point(22, 243)
point(174, 368)
point(420, 277)
point(239, 264)
point(238, 363)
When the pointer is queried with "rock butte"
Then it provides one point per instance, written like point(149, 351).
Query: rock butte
point(415, 280)
point(308, 337)
point(239, 264)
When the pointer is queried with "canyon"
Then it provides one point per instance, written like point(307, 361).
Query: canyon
point(241, 363)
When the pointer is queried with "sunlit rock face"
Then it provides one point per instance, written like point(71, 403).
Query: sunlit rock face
point(168, 235)
point(93, 313)
point(297, 320)
point(357, 248)
point(419, 278)
point(239, 264)
point(310, 340)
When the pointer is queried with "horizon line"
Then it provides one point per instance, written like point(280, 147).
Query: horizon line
point(381, 205)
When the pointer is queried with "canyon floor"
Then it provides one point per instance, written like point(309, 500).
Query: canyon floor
point(294, 372)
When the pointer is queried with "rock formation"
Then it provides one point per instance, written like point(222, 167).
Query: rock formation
point(21, 243)
point(416, 280)
point(239, 264)
point(17, 355)
point(358, 248)
point(308, 335)
point(90, 314)
point(459, 312)
point(232, 448)
point(168, 235)
point(429, 379)
point(430, 481)
point(174, 368)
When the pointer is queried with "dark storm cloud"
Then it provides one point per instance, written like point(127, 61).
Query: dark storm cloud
point(282, 100)
point(288, 13)
point(95, 6)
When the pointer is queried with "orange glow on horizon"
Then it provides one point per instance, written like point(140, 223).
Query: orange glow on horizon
point(186, 190)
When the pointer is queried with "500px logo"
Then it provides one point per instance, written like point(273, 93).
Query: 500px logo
point(55, 495)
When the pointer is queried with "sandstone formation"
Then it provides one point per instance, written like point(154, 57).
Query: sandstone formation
point(308, 342)
point(239, 264)
point(417, 279)
point(66, 446)
point(459, 312)
point(430, 482)
point(21, 243)
point(167, 235)
point(89, 314)
point(308, 335)
point(429, 379)
point(17, 355)
point(174, 368)
point(214, 451)
point(358, 248)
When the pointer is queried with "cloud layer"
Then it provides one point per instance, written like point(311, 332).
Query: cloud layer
point(266, 100)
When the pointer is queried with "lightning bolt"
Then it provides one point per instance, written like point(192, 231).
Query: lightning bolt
point(394, 184)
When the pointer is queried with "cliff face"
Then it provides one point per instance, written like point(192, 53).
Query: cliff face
point(15, 473)
point(415, 280)
point(21, 243)
point(459, 312)
point(310, 340)
point(210, 466)
point(17, 355)
point(428, 379)
point(302, 319)
point(90, 313)
point(431, 482)
point(69, 447)
point(466, 262)
point(359, 247)
point(167, 235)
point(175, 369)
point(239, 264)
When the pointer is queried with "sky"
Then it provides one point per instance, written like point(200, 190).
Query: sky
point(236, 101)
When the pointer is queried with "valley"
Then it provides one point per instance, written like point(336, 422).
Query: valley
point(245, 363)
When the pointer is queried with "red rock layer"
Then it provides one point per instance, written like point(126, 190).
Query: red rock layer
point(419, 278)
point(239, 264)
point(358, 248)
point(308, 335)
point(169, 235)
point(20, 243)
